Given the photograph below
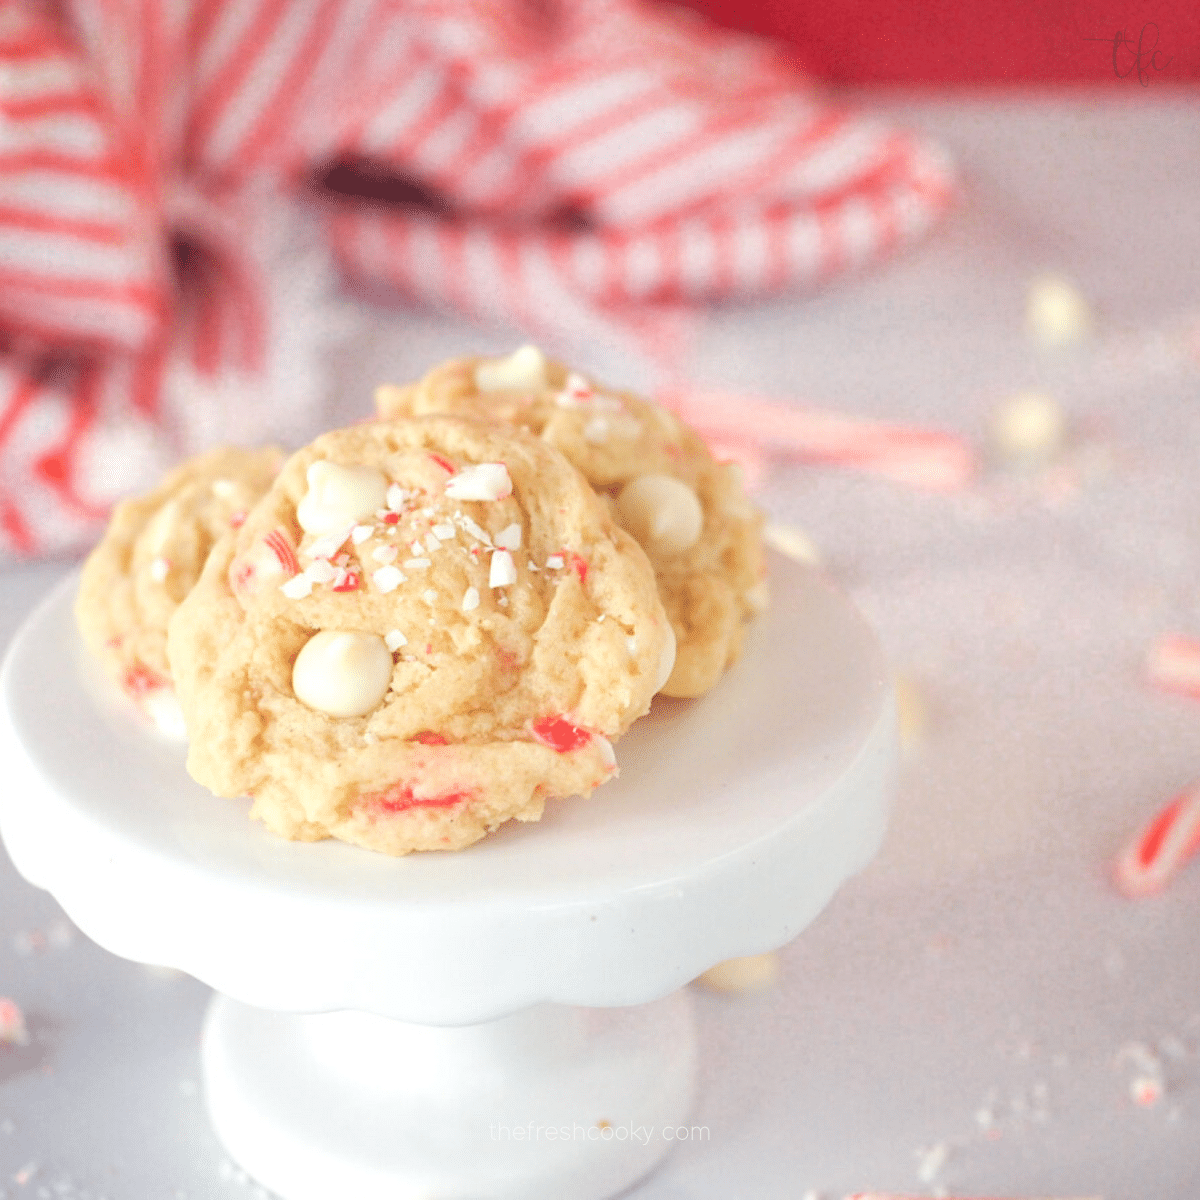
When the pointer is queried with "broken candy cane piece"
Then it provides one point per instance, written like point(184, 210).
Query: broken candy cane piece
point(559, 734)
point(482, 481)
point(1173, 664)
point(523, 369)
point(1148, 863)
point(401, 797)
point(339, 497)
point(342, 673)
point(140, 680)
point(12, 1024)
point(662, 512)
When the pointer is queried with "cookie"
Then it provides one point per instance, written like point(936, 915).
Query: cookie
point(425, 629)
point(688, 512)
point(150, 557)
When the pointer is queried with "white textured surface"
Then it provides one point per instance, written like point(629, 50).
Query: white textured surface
point(984, 956)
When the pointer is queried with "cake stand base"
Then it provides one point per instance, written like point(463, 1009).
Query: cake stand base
point(552, 1101)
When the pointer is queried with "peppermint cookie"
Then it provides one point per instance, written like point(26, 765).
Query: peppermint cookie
point(425, 629)
point(149, 558)
point(688, 512)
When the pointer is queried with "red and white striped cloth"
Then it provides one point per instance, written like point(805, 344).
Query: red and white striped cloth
point(586, 166)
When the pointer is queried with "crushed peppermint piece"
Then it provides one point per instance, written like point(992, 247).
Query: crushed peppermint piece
point(554, 562)
point(385, 554)
point(329, 544)
point(476, 531)
point(480, 481)
point(416, 564)
point(388, 579)
point(503, 570)
point(509, 538)
point(360, 533)
point(432, 544)
point(576, 394)
point(321, 570)
point(429, 595)
point(346, 581)
point(391, 518)
point(417, 548)
point(470, 600)
point(396, 496)
point(159, 569)
point(297, 587)
point(444, 530)
point(394, 639)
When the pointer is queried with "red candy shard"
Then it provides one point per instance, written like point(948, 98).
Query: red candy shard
point(238, 519)
point(240, 574)
point(400, 798)
point(140, 679)
point(392, 518)
point(578, 563)
point(427, 737)
point(349, 584)
point(279, 545)
point(444, 463)
point(559, 734)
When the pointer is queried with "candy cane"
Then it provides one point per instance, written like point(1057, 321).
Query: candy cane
point(12, 1023)
point(1147, 864)
point(1173, 664)
point(923, 458)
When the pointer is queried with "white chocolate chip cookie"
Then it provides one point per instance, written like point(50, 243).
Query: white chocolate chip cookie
point(150, 557)
point(425, 629)
point(689, 513)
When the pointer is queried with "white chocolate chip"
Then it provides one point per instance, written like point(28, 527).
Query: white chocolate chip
point(662, 512)
point(344, 674)
point(1028, 425)
point(388, 579)
point(162, 707)
point(395, 497)
point(666, 660)
point(1056, 314)
point(522, 370)
point(481, 481)
point(394, 640)
point(339, 497)
point(509, 538)
point(320, 570)
point(470, 600)
point(596, 430)
point(503, 570)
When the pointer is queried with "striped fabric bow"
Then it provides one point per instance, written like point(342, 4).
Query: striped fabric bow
point(574, 168)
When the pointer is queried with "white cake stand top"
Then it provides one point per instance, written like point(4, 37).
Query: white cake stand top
point(734, 820)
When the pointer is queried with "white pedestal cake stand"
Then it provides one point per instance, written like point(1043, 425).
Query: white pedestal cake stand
point(505, 1023)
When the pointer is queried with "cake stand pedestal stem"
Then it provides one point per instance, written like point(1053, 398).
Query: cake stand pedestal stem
point(549, 1102)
